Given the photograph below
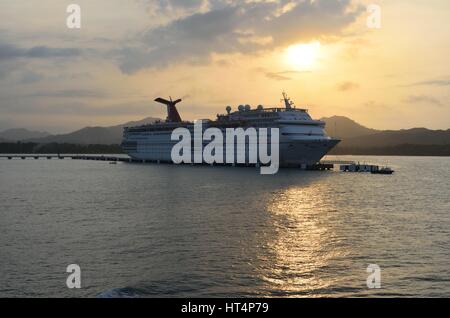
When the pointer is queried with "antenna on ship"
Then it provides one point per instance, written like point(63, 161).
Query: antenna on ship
point(172, 112)
point(287, 101)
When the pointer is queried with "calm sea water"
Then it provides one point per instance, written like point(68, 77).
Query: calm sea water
point(176, 231)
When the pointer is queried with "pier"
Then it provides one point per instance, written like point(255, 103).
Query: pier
point(61, 157)
point(110, 158)
point(321, 166)
point(36, 156)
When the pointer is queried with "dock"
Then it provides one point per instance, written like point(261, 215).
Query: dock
point(324, 165)
point(373, 169)
point(109, 158)
point(36, 156)
point(72, 157)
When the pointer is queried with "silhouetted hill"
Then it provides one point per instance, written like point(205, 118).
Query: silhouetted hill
point(93, 135)
point(397, 150)
point(53, 148)
point(344, 128)
point(88, 135)
point(357, 139)
point(389, 138)
point(21, 134)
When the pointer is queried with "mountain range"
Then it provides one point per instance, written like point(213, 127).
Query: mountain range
point(86, 136)
point(345, 128)
point(352, 134)
point(19, 134)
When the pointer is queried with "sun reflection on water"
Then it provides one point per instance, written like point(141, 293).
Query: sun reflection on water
point(303, 243)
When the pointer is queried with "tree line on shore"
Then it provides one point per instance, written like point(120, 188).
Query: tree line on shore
point(397, 150)
point(56, 148)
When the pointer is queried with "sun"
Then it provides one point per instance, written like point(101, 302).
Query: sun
point(303, 56)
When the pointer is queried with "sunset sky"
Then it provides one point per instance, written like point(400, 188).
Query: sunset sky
point(214, 53)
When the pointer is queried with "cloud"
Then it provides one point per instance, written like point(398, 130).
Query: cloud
point(6, 69)
point(373, 105)
point(9, 52)
point(347, 86)
point(435, 82)
point(228, 28)
point(78, 108)
point(73, 93)
point(185, 5)
point(284, 76)
point(29, 77)
point(278, 77)
point(423, 99)
point(175, 8)
point(69, 93)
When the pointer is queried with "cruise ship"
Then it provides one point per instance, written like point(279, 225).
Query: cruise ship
point(302, 140)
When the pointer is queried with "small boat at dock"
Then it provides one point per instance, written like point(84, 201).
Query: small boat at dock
point(373, 169)
point(384, 170)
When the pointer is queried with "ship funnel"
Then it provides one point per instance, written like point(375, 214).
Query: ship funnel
point(172, 112)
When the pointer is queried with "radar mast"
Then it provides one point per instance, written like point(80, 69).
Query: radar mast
point(287, 101)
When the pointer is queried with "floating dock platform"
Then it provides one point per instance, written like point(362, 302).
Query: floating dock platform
point(357, 167)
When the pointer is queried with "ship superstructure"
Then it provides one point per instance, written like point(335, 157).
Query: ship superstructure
point(302, 140)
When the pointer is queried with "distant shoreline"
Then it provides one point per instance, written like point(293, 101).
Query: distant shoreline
point(408, 150)
point(36, 148)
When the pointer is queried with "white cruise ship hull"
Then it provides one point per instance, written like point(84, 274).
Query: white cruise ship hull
point(294, 153)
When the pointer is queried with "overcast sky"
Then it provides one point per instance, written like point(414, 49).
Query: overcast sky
point(214, 53)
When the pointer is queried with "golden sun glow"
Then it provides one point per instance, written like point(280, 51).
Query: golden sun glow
point(303, 56)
